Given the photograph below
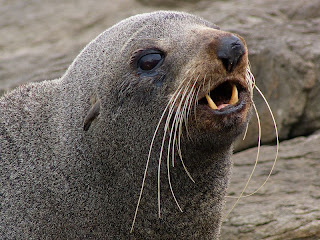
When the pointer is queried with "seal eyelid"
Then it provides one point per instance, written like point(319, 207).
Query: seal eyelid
point(150, 61)
point(146, 60)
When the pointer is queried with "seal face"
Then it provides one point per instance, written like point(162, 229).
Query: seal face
point(134, 140)
point(213, 88)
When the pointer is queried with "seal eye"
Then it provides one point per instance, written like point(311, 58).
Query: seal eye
point(150, 61)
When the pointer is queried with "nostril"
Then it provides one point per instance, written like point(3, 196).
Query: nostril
point(229, 51)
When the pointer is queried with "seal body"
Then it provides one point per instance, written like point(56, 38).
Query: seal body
point(73, 151)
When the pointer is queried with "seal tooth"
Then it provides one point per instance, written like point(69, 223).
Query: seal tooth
point(211, 103)
point(234, 98)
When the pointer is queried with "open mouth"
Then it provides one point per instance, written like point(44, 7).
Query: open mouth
point(226, 96)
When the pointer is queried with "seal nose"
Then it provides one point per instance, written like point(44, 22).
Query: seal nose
point(229, 51)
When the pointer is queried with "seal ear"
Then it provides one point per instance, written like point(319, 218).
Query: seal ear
point(92, 115)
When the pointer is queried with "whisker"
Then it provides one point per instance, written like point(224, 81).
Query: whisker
point(255, 165)
point(194, 98)
point(170, 138)
point(277, 139)
point(148, 159)
point(187, 106)
point(195, 105)
point(178, 123)
point(251, 83)
point(258, 152)
point(277, 147)
point(168, 166)
point(181, 120)
point(250, 79)
point(178, 112)
point(245, 132)
point(160, 157)
point(162, 146)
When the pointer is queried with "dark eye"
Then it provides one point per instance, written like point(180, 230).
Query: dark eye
point(150, 61)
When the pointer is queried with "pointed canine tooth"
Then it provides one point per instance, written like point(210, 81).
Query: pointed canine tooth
point(234, 98)
point(211, 103)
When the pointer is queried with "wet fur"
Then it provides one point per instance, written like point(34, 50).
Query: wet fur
point(62, 182)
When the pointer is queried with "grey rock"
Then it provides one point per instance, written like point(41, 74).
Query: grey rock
point(288, 205)
point(39, 39)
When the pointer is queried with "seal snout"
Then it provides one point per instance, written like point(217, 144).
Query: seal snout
point(229, 51)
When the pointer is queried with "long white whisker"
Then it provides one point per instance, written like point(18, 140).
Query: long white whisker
point(162, 146)
point(191, 100)
point(170, 138)
point(168, 166)
point(277, 139)
point(255, 165)
point(181, 120)
point(179, 111)
point(277, 147)
point(148, 160)
point(179, 123)
point(185, 110)
point(250, 79)
point(195, 105)
point(245, 132)
point(251, 83)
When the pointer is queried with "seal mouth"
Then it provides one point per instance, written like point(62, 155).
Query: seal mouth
point(225, 98)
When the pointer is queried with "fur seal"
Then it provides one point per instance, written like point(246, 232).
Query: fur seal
point(136, 135)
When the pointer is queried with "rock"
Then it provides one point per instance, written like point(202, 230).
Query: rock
point(39, 39)
point(288, 205)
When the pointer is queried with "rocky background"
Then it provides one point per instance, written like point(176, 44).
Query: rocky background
point(40, 38)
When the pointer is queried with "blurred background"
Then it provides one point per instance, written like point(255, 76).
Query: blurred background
point(40, 38)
